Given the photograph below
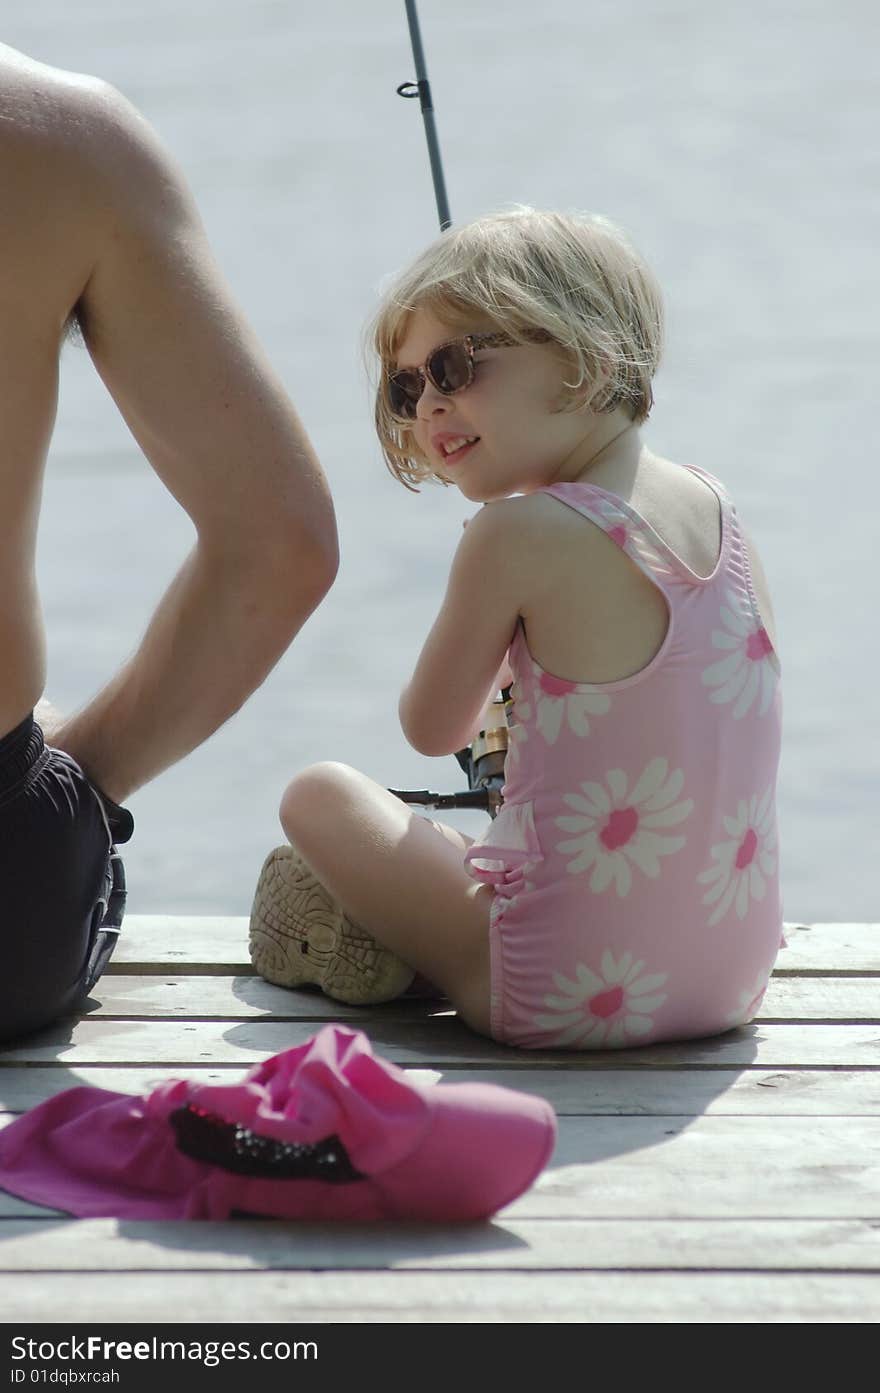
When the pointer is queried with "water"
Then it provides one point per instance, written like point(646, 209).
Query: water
point(738, 144)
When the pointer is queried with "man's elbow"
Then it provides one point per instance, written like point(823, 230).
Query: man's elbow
point(303, 577)
point(280, 576)
point(299, 558)
point(316, 560)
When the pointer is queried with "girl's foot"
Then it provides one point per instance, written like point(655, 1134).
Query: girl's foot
point(299, 935)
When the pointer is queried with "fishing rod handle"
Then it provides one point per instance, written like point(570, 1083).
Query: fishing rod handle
point(472, 798)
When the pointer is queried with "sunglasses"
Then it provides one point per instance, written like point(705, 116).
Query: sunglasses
point(450, 368)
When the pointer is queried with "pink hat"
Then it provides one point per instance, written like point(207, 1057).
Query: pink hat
point(322, 1131)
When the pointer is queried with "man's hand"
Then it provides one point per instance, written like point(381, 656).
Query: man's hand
point(49, 719)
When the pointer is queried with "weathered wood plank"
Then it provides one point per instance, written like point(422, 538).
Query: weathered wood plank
point(187, 942)
point(202, 943)
point(716, 1167)
point(748, 1153)
point(440, 1041)
point(841, 999)
point(830, 948)
point(213, 997)
point(710, 1167)
point(577, 1092)
point(637, 1245)
point(442, 1297)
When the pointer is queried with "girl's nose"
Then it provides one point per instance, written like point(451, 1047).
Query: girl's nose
point(430, 401)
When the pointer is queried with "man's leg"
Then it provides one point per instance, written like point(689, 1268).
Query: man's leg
point(61, 895)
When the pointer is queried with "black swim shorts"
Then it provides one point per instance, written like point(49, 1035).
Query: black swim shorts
point(62, 883)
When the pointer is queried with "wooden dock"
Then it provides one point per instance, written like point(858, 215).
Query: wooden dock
point(729, 1180)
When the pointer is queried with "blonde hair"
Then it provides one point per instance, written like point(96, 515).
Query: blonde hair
point(574, 279)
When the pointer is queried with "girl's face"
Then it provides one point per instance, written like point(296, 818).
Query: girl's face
point(504, 433)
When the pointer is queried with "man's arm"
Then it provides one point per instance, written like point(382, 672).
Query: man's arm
point(216, 425)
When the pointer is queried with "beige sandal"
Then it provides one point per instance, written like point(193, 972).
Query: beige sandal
point(299, 935)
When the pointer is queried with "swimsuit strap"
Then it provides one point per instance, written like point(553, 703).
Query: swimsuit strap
point(632, 532)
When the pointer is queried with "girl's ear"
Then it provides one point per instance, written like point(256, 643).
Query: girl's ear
point(597, 392)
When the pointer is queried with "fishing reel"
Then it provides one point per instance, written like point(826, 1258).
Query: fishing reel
point(483, 760)
point(482, 763)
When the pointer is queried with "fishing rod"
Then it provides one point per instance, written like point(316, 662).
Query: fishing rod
point(483, 760)
point(421, 88)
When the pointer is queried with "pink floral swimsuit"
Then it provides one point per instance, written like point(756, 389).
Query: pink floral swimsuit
point(634, 860)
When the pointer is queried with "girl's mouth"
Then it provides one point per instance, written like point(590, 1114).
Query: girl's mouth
point(459, 448)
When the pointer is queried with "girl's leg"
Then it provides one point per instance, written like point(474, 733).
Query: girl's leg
point(399, 876)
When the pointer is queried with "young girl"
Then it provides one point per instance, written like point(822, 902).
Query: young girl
point(628, 890)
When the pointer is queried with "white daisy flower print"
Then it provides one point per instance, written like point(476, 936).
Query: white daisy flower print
point(517, 735)
point(560, 702)
point(749, 1003)
point(608, 1008)
point(615, 830)
point(749, 671)
point(745, 862)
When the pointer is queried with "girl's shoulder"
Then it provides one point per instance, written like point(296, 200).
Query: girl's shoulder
point(523, 519)
point(550, 548)
point(678, 511)
point(529, 525)
point(683, 506)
